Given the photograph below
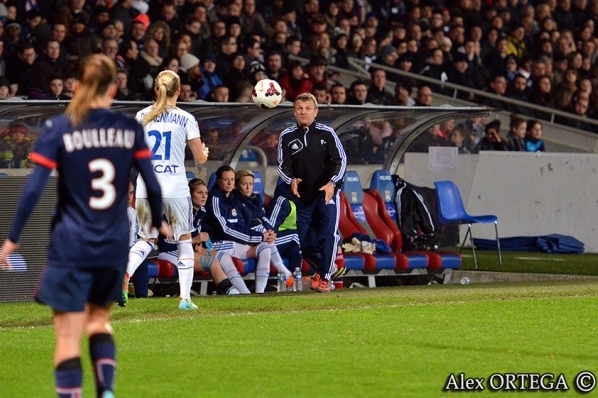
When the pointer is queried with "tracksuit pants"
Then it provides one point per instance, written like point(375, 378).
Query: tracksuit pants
point(317, 226)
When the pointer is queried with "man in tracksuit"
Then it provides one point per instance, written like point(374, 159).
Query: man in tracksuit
point(311, 159)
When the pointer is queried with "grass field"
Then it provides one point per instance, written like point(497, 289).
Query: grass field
point(384, 342)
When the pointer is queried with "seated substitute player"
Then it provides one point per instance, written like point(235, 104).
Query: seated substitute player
point(231, 232)
point(225, 275)
point(254, 213)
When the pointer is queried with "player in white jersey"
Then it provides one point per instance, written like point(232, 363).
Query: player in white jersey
point(168, 130)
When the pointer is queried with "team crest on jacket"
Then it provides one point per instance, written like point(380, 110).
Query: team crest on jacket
point(234, 212)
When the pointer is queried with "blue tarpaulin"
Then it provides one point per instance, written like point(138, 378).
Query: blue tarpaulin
point(554, 243)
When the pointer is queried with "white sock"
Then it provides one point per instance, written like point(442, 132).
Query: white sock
point(185, 268)
point(137, 254)
point(262, 269)
point(226, 262)
point(277, 262)
point(232, 291)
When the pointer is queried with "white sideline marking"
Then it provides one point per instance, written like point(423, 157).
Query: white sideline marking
point(539, 259)
point(184, 316)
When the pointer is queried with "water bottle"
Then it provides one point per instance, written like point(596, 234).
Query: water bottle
point(465, 281)
point(282, 282)
point(298, 286)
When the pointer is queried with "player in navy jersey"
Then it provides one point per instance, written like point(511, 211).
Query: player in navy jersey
point(93, 149)
point(168, 130)
point(255, 214)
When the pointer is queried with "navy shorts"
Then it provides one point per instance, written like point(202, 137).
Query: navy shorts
point(69, 289)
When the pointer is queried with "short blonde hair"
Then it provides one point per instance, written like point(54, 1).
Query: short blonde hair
point(243, 173)
point(307, 97)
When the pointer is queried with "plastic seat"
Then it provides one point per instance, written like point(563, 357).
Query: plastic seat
point(190, 175)
point(352, 198)
point(382, 189)
point(452, 210)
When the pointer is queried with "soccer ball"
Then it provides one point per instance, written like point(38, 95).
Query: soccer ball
point(267, 94)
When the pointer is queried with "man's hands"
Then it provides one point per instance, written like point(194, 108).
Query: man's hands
point(294, 186)
point(328, 191)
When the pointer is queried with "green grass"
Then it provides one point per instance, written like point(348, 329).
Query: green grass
point(532, 262)
point(384, 342)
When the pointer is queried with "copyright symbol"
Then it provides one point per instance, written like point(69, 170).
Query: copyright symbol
point(585, 382)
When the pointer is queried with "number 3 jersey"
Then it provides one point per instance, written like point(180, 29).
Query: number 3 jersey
point(94, 162)
point(167, 136)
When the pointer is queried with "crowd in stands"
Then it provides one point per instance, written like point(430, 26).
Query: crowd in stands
point(543, 52)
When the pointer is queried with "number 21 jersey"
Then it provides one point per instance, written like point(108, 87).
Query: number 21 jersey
point(167, 136)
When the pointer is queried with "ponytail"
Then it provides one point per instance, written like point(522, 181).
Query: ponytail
point(97, 73)
point(167, 85)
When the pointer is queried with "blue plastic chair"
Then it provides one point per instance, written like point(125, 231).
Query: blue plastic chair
point(451, 210)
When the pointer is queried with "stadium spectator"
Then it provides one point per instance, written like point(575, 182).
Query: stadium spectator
point(252, 20)
point(69, 83)
point(15, 147)
point(169, 14)
point(151, 55)
point(340, 43)
point(209, 78)
point(189, 64)
point(457, 72)
point(53, 89)
point(274, 68)
point(254, 55)
point(295, 81)
point(533, 137)
point(338, 94)
point(123, 93)
point(321, 93)
point(220, 93)
point(21, 70)
point(492, 141)
point(434, 68)
point(58, 33)
point(458, 139)
point(516, 134)
point(358, 93)
point(403, 95)
point(316, 70)
point(137, 34)
point(376, 92)
point(424, 96)
point(140, 79)
point(495, 60)
point(497, 86)
point(227, 46)
point(517, 90)
point(563, 92)
point(432, 137)
point(160, 32)
point(79, 43)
